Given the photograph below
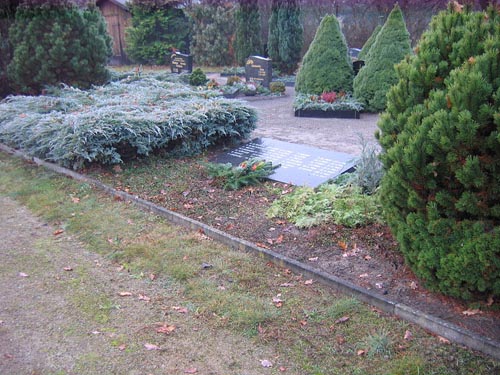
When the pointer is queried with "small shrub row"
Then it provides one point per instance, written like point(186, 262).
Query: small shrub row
point(126, 118)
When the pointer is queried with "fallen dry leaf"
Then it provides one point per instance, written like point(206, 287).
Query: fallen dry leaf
point(263, 246)
point(180, 309)
point(279, 239)
point(58, 232)
point(75, 199)
point(361, 352)
point(122, 347)
point(342, 320)
point(342, 245)
point(22, 274)
point(287, 285)
point(308, 282)
point(471, 312)
point(408, 335)
point(144, 298)
point(442, 340)
point(363, 275)
point(152, 277)
point(266, 363)
point(68, 269)
point(313, 259)
point(125, 294)
point(192, 370)
point(413, 285)
point(490, 301)
point(166, 329)
point(151, 346)
point(282, 368)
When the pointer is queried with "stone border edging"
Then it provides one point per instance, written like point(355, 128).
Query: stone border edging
point(433, 324)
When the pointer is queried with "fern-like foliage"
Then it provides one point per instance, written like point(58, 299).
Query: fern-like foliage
point(344, 205)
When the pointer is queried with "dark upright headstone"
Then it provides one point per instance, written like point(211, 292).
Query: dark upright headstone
point(181, 63)
point(357, 65)
point(259, 70)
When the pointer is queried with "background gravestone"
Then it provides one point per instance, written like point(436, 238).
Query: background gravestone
point(259, 70)
point(180, 62)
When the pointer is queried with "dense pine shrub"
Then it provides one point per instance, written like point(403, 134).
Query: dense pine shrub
point(123, 119)
point(363, 54)
point(58, 43)
point(157, 29)
point(248, 31)
point(441, 192)
point(326, 66)
point(285, 35)
point(378, 75)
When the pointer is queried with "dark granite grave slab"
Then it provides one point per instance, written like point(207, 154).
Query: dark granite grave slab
point(300, 165)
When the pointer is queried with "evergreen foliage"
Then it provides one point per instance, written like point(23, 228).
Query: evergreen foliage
point(198, 78)
point(363, 54)
point(7, 15)
point(213, 34)
point(134, 116)
point(285, 36)
point(378, 75)
point(59, 43)
point(326, 65)
point(156, 30)
point(248, 29)
point(440, 134)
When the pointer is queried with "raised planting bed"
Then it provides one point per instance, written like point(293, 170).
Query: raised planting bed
point(327, 105)
point(346, 113)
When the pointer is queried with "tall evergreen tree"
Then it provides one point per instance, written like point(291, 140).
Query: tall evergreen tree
point(326, 66)
point(378, 75)
point(7, 16)
point(248, 29)
point(285, 35)
point(157, 29)
point(441, 192)
point(56, 43)
point(213, 34)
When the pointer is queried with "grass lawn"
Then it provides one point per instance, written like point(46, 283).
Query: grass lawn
point(312, 329)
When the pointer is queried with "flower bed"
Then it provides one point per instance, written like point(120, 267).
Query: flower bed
point(327, 105)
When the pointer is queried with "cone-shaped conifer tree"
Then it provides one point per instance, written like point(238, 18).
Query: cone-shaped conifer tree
point(363, 54)
point(326, 66)
point(441, 192)
point(378, 75)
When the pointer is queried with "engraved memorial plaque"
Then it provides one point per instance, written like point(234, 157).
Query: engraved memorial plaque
point(181, 63)
point(300, 165)
point(259, 70)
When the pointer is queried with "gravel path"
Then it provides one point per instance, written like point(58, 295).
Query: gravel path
point(277, 121)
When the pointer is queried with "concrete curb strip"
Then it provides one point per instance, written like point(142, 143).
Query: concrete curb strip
point(433, 324)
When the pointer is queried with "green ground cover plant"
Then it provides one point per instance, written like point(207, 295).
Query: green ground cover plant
point(343, 205)
point(313, 330)
point(134, 116)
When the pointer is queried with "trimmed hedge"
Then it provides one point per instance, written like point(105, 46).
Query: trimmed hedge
point(378, 75)
point(106, 124)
